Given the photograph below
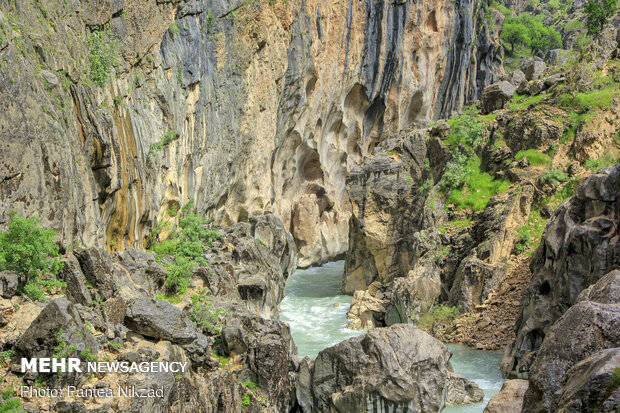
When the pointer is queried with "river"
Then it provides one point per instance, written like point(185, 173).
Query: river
point(317, 314)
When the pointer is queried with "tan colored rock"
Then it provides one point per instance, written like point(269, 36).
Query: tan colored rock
point(364, 311)
point(459, 390)
point(509, 399)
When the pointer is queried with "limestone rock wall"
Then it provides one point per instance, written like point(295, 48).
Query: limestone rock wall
point(264, 106)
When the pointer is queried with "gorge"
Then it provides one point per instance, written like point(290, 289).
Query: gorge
point(315, 204)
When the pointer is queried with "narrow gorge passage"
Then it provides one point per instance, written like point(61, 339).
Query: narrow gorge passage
point(317, 314)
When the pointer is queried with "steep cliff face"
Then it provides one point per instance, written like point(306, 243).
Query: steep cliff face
point(244, 106)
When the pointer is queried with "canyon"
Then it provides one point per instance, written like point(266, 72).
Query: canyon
point(189, 156)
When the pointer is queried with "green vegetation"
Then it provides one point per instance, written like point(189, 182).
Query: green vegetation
point(593, 99)
point(554, 176)
point(174, 29)
point(466, 183)
point(598, 13)
point(252, 392)
point(608, 159)
point(437, 314)
point(10, 404)
point(5, 356)
point(478, 188)
point(103, 55)
point(535, 157)
point(168, 137)
point(29, 250)
point(185, 246)
point(521, 102)
point(205, 316)
point(529, 235)
point(34, 292)
point(246, 401)
point(528, 30)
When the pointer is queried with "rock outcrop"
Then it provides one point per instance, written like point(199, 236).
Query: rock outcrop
point(397, 368)
point(509, 399)
point(580, 245)
point(495, 96)
point(247, 109)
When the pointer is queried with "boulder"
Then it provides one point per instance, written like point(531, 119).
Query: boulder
point(263, 351)
point(58, 321)
point(99, 270)
point(366, 309)
point(9, 281)
point(413, 294)
point(509, 399)
point(591, 385)
point(462, 391)
point(496, 95)
point(534, 70)
point(535, 87)
point(556, 56)
point(585, 329)
point(161, 320)
point(58, 331)
point(554, 79)
point(441, 130)
point(518, 80)
point(400, 368)
point(77, 290)
point(579, 246)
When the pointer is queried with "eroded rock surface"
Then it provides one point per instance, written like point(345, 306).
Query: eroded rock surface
point(399, 367)
point(580, 245)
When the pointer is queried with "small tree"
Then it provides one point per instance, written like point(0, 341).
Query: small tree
point(515, 33)
point(28, 249)
point(598, 13)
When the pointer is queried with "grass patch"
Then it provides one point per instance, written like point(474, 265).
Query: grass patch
point(437, 314)
point(478, 188)
point(535, 157)
point(521, 102)
point(530, 234)
point(594, 99)
point(205, 315)
point(608, 159)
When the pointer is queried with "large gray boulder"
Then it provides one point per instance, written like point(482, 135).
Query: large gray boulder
point(399, 368)
point(591, 385)
point(534, 70)
point(58, 331)
point(518, 80)
point(580, 245)
point(585, 329)
point(161, 320)
point(495, 96)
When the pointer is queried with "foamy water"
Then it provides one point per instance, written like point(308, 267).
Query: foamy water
point(316, 323)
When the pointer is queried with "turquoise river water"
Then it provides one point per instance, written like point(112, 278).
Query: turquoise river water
point(317, 314)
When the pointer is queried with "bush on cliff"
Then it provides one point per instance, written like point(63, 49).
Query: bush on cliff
point(28, 249)
point(185, 246)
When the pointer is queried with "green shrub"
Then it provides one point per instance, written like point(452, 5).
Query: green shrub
point(34, 292)
point(185, 246)
point(103, 55)
point(534, 156)
point(174, 29)
point(437, 314)
point(524, 235)
point(609, 159)
point(170, 136)
point(10, 404)
point(554, 176)
point(205, 316)
point(465, 130)
point(28, 249)
point(246, 401)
